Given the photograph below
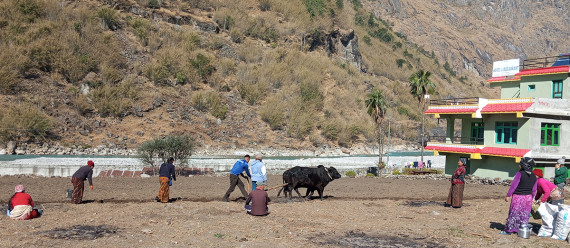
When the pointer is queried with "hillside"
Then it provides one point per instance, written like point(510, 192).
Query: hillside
point(239, 75)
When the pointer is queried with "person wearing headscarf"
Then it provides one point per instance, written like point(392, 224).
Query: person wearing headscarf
point(455, 197)
point(547, 191)
point(21, 206)
point(78, 178)
point(521, 193)
point(560, 173)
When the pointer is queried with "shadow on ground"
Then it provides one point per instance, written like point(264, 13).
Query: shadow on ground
point(80, 232)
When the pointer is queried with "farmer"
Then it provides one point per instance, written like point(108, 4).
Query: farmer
point(83, 173)
point(239, 167)
point(521, 193)
point(165, 173)
point(258, 172)
point(560, 173)
point(455, 197)
point(549, 192)
point(259, 200)
point(21, 206)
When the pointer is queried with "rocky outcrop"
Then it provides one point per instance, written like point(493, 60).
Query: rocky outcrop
point(470, 34)
point(341, 44)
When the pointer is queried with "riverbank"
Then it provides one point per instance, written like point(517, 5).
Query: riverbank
point(64, 166)
point(112, 150)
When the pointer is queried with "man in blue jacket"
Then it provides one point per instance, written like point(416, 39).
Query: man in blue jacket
point(239, 167)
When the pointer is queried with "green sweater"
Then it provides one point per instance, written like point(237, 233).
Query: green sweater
point(560, 175)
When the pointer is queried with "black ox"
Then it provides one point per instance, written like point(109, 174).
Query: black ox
point(310, 178)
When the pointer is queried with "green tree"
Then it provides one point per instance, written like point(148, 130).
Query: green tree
point(153, 152)
point(376, 105)
point(420, 86)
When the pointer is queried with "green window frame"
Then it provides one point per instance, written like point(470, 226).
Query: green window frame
point(506, 132)
point(477, 132)
point(549, 134)
point(557, 89)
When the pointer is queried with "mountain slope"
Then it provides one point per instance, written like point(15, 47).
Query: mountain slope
point(251, 75)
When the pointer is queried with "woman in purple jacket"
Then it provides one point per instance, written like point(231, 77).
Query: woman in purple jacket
point(521, 193)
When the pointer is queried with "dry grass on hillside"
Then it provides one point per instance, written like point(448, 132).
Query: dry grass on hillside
point(99, 63)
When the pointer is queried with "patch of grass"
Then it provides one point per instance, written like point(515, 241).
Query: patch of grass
point(114, 100)
point(24, 122)
point(315, 7)
point(382, 34)
point(109, 18)
point(202, 65)
point(350, 173)
point(210, 101)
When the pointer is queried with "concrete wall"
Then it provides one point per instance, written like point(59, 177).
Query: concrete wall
point(508, 89)
point(543, 86)
point(522, 134)
point(488, 166)
point(553, 152)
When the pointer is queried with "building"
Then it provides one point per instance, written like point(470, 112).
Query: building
point(531, 119)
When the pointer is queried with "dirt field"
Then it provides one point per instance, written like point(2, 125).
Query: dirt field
point(357, 212)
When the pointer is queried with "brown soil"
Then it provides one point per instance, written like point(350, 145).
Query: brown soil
point(357, 212)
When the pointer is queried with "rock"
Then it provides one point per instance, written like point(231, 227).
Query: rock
point(434, 213)
point(338, 43)
point(20, 151)
point(10, 147)
point(146, 231)
point(145, 176)
point(3, 152)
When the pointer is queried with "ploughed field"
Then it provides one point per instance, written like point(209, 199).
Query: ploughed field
point(357, 212)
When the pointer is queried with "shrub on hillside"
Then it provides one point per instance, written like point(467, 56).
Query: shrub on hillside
point(264, 5)
point(202, 65)
point(114, 100)
point(142, 28)
point(158, 150)
point(273, 113)
point(331, 129)
point(23, 122)
point(109, 18)
point(315, 7)
point(210, 101)
point(382, 34)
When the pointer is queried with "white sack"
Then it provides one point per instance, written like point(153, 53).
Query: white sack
point(548, 212)
point(562, 223)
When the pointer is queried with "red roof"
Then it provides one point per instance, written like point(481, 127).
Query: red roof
point(506, 107)
point(451, 110)
point(492, 151)
point(545, 70)
point(512, 152)
point(503, 79)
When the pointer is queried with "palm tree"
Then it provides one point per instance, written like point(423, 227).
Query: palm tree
point(420, 86)
point(377, 109)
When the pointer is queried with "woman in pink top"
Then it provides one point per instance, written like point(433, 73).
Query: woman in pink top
point(549, 192)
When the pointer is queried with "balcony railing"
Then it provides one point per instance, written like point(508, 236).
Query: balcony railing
point(545, 62)
point(455, 101)
point(457, 140)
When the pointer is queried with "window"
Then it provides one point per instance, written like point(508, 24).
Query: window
point(477, 131)
point(557, 89)
point(549, 134)
point(506, 132)
point(531, 87)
